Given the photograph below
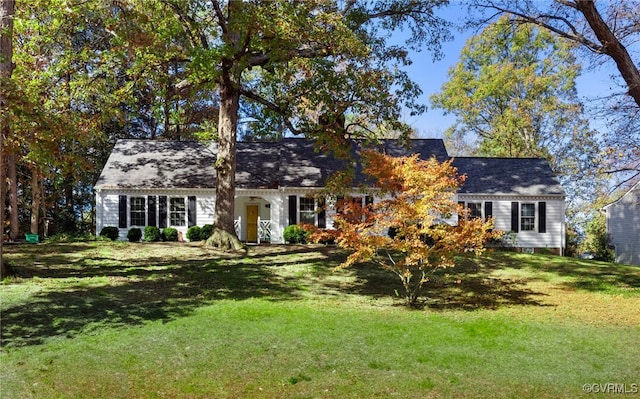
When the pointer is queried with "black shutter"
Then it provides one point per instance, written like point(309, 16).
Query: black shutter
point(322, 214)
point(515, 217)
point(488, 209)
point(191, 214)
point(122, 212)
point(293, 209)
point(162, 211)
point(151, 210)
point(368, 200)
point(542, 217)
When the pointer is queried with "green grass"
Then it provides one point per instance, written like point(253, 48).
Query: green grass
point(116, 320)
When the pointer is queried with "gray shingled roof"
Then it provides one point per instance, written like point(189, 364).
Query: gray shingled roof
point(158, 164)
point(507, 176)
point(152, 164)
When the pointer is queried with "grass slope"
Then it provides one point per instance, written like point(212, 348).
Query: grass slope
point(120, 320)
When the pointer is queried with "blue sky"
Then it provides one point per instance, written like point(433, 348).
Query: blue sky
point(431, 75)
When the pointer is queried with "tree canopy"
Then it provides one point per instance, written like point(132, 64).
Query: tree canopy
point(513, 91)
point(608, 34)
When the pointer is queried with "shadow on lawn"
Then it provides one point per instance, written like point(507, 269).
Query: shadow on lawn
point(97, 296)
point(463, 287)
point(84, 290)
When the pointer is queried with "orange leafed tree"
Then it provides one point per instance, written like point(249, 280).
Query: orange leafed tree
point(406, 232)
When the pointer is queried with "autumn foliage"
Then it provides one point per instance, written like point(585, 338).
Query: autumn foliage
point(417, 226)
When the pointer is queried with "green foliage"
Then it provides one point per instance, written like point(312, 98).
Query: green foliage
point(194, 233)
point(111, 232)
point(513, 92)
point(295, 234)
point(152, 234)
point(134, 234)
point(597, 240)
point(205, 231)
point(170, 234)
point(514, 87)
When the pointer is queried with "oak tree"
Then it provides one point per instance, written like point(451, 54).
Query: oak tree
point(312, 65)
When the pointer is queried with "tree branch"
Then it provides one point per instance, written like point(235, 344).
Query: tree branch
point(222, 22)
point(272, 106)
point(261, 59)
point(612, 47)
point(188, 23)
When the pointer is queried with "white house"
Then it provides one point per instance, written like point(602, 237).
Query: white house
point(172, 183)
point(623, 226)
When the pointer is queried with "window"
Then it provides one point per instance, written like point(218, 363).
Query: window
point(177, 212)
point(307, 210)
point(137, 211)
point(528, 217)
point(475, 209)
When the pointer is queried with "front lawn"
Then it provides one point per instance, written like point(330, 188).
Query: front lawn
point(174, 320)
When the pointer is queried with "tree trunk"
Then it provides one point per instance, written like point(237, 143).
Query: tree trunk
point(612, 47)
point(12, 193)
point(224, 235)
point(36, 199)
point(7, 11)
point(4, 272)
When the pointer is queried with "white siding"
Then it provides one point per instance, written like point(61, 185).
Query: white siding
point(274, 205)
point(107, 205)
point(555, 220)
point(623, 227)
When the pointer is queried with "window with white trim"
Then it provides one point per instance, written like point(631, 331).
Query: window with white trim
point(137, 211)
point(527, 217)
point(177, 211)
point(307, 210)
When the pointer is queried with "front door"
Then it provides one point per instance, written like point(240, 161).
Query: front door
point(252, 223)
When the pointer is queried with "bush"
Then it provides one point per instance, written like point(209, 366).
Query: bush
point(170, 234)
point(295, 234)
point(151, 234)
point(134, 235)
point(194, 233)
point(111, 232)
point(206, 231)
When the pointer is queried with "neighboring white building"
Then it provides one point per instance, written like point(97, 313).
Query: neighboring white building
point(623, 226)
point(172, 183)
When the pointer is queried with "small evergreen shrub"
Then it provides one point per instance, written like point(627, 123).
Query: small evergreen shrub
point(295, 234)
point(134, 235)
point(111, 232)
point(194, 233)
point(151, 234)
point(206, 231)
point(170, 234)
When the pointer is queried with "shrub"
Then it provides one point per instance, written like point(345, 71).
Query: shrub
point(111, 232)
point(134, 235)
point(206, 231)
point(170, 234)
point(295, 234)
point(151, 234)
point(318, 235)
point(194, 233)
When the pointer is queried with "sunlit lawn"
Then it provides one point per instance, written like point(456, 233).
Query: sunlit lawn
point(120, 320)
